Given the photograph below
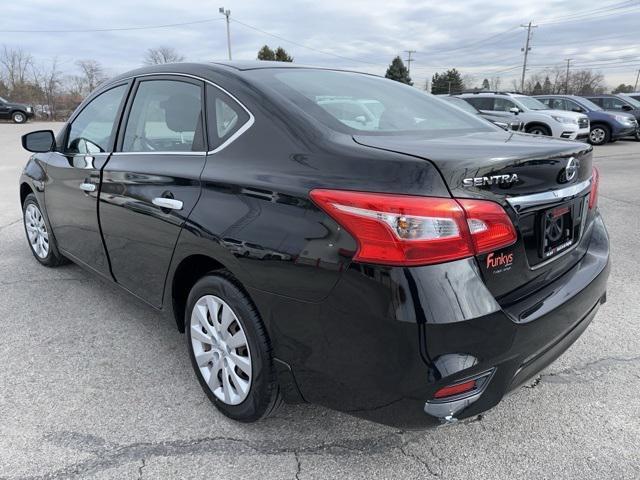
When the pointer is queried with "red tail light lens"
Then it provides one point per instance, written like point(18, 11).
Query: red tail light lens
point(452, 390)
point(407, 230)
point(595, 183)
point(489, 224)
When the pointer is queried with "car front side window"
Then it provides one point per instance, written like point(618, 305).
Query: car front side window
point(91, 131)
point(165, 116)
point(503, 105)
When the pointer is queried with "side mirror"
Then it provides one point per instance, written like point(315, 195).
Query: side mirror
point(514, 110)
point(40, 141)
point(627, 108)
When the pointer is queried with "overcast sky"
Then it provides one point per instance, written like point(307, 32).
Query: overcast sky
point(482, 38)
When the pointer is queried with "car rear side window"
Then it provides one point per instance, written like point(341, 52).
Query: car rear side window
point(92, 129)
point(481, 103)
point(165, 116)
point(224, 116)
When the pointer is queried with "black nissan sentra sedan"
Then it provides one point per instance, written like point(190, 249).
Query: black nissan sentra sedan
point(326, 236)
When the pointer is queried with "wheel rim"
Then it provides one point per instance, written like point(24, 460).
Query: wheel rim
point(221, 349)
point(597, 135)
point(18, 117)
point(36, 231)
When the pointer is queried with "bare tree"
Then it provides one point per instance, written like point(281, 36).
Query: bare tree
point(47, 79)
point(494, 83)
point(160, 55)
point(15, 63)
point(93, 73)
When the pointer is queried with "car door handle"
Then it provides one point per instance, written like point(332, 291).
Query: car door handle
point(88, 187)
point(170, 203)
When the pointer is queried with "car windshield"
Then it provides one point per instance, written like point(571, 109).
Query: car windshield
point(632, 101)
point(365, 104)
point(460, 103)
point(585, 102)
point(3, 100)
point(532, 103)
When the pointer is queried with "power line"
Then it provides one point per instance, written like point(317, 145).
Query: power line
point(301, 44)
point(118, 29)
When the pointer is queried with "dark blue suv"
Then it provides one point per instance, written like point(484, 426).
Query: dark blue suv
point(605, 126)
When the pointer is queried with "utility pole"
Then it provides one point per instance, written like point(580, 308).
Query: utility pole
point(566, 81)
point(227, 13)
point(526, 50)
point(409, 60)
point(635, 87)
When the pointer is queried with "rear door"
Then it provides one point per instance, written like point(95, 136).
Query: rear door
point(151, 184)
point(74, 176)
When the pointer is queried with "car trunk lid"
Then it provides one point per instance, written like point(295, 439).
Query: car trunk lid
point(543, 183)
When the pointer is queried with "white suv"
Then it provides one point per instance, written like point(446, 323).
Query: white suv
point(537, 117)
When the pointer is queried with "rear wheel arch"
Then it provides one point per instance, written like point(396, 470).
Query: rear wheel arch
point(191, 269)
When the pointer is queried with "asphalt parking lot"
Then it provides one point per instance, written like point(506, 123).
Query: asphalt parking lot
point(93, 384)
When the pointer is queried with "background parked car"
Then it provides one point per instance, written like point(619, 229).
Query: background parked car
point(537, 117)
point(17, 112)
point(605, 126)
point(507, 124)
point(634, 95)
point(618, 103)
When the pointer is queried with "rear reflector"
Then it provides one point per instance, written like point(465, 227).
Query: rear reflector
point(453, 390)
point(408, 230)
point(595, 183)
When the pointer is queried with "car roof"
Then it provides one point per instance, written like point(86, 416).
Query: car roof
point(211, 70)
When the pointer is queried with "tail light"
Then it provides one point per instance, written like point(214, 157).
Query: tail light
point(406, 230)
point(457, 389)
point(595, 183)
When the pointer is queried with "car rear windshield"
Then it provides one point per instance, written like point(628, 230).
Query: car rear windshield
point(365, 104)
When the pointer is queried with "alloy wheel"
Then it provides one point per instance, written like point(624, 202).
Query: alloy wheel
point(221, 349)
point(36, 231)
point(597, 136)
point(18, 118)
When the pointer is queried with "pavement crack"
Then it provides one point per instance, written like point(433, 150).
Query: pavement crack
point(10, 224)
point(140, 468)
point(297, 457)
point(107, 455)
point(417, 458)
point(576, 373)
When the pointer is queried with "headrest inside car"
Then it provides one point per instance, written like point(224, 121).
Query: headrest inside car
point(182, 112)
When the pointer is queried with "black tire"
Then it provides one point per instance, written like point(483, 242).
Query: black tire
point(263, 397)
point(599, 134)
point(637, 137)
point(53, 258)
point(539, 130)
point(19, 117)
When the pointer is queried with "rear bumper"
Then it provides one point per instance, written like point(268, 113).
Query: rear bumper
point(386, 339)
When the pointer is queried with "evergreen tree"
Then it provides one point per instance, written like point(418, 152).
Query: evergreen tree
point(265, 53)
point(537, 89)
point(546, 86)
point(282, 55)
point(447, 82)
point(398, 72)
point(485, 84)
point(622, 88)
